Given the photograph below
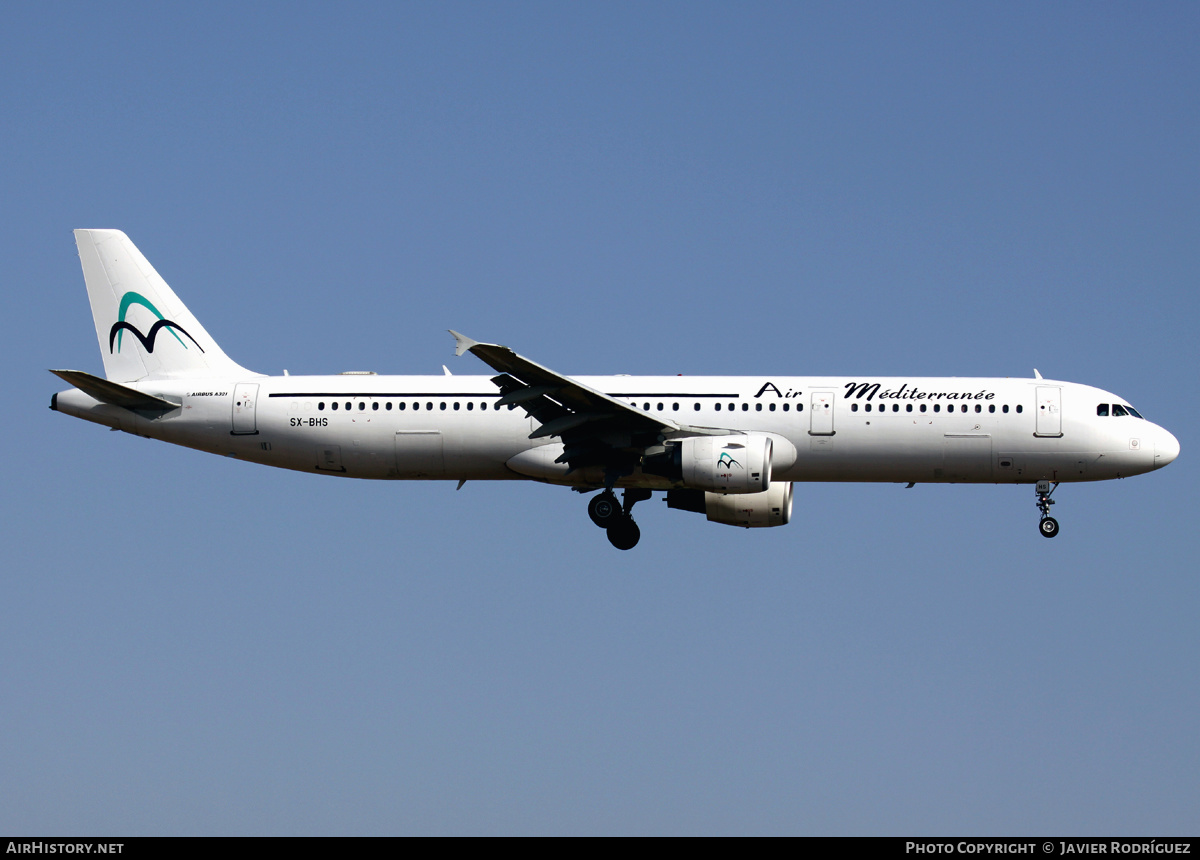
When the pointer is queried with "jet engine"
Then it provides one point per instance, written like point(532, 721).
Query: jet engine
point(749, 510)
point(717, 464)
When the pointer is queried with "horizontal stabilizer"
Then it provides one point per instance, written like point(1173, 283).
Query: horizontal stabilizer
point(113, 393)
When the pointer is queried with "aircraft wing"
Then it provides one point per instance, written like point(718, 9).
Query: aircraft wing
point(596, 429)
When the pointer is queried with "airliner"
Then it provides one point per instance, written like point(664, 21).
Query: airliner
point(728, 447)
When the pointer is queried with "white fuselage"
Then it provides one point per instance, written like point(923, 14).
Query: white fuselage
point(902, 429)
point(725, 446)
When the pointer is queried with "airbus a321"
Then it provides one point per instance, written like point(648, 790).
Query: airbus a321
point(728, 447)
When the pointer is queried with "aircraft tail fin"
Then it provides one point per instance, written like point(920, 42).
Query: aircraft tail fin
point(145, 331)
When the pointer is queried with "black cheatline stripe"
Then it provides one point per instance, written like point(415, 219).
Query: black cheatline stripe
point(417, 394)
point(675, 396)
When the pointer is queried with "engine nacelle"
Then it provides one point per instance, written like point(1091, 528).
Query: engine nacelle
point(726, 464)
point(749, 510)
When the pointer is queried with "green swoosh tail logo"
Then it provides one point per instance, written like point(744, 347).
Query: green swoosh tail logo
point(118, 329)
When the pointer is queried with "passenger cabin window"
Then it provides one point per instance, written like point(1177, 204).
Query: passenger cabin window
point(1020, 408)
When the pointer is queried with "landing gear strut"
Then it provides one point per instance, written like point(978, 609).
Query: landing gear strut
point(623, 532)
point(1048, 526)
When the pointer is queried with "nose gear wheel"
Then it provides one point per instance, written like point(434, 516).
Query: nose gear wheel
point(1048, 526)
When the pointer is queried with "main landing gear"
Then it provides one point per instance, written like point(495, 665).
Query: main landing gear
point(1048, 525)
point(613, 517)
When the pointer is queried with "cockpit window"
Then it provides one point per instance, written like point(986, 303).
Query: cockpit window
point(1134, 412)
point(1102, 410)
point(1118, 410)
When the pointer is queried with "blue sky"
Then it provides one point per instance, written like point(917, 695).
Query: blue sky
point(195, 645)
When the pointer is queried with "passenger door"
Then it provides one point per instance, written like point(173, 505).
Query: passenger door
point(1049, 411)
point(821, 414)
point(245, 395)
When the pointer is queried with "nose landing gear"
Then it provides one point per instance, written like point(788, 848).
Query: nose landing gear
point(1048, 526)
point(623, 532)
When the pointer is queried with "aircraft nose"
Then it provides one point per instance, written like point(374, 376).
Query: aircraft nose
point(1166, 448)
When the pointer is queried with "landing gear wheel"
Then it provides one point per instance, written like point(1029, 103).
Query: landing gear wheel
point(1048, 525)
point(604, 509)
point(624, 533)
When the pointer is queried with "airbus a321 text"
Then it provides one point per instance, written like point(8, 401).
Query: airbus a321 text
point(729, 447)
